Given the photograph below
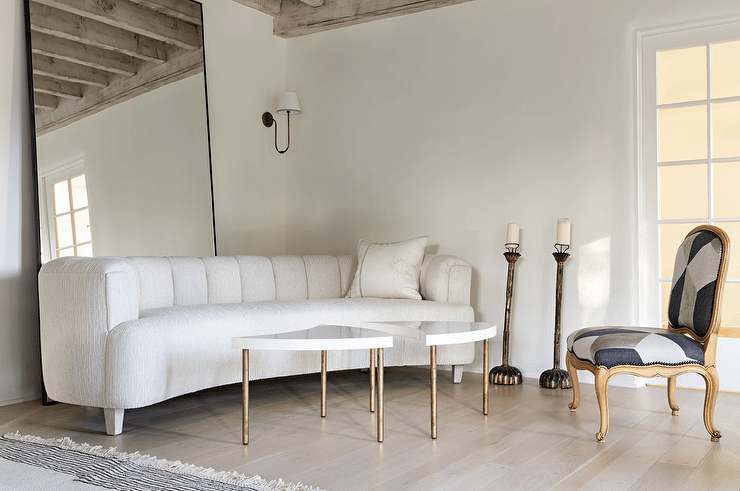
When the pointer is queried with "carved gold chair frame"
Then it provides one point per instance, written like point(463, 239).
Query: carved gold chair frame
point(707, 371)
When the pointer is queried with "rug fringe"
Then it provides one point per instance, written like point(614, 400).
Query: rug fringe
point(231, 477)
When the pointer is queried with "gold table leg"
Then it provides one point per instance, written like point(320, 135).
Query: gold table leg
point(372, 380)
point(323, 383)
point(245, 396)
point(485, 376)
point(379, 415)
point(433, 394)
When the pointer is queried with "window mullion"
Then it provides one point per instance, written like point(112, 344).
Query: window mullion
point(710, 145)
point(72, 216)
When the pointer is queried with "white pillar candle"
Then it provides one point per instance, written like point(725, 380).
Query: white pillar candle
point(512, 233)
point(563, 236)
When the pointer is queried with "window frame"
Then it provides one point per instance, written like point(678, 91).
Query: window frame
point(648, 43)
point(46, 206)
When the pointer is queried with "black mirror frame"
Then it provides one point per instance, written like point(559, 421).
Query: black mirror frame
point(34, 156)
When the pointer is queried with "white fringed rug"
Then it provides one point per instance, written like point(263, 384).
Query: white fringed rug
point(32, 463)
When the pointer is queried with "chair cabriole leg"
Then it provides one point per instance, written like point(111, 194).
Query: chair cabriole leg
point(711, 377)
point(602, 386)
point(672, 396)
point(574, 379)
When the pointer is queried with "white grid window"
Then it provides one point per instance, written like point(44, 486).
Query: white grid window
point(66, 224)
point(691, 141)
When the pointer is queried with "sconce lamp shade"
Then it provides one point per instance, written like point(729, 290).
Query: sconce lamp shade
point(288, 103)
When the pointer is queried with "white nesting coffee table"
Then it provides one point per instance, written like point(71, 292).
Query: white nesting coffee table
point(320, 338)
point(442, 333)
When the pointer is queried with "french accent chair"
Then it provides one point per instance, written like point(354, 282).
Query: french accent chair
point(688, 345)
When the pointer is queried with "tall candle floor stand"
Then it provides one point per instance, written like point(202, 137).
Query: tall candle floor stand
point(506, 374)
point(557, 378)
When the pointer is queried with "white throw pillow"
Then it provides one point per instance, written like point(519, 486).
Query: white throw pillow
point(388, 270)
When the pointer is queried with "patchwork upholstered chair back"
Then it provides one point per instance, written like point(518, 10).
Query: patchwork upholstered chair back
point(698, 274)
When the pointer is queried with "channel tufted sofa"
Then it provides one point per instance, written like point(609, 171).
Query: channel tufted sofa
point(121, 333)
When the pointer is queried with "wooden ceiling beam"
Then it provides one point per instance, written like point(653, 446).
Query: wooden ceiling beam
point(297, 18)
point(88, 31)
point(66, 70)
point(136, 18)
point(179, 9)
point(271, 7)
point(91, 56)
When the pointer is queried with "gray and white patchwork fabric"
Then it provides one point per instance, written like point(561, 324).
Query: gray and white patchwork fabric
point(694, 282)
point(612, 346)
point(690, 305)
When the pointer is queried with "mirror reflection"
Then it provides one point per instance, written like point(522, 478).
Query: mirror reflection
point(121, 128)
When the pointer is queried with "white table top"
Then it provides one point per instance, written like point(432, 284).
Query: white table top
point(319, 338)
point(437, 333)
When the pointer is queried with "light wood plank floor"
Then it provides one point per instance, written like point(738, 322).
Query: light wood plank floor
point(530, 440)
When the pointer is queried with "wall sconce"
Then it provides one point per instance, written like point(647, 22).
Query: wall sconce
point(287, 104)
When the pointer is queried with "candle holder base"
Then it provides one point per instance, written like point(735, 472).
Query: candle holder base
point(505, 375)
point(555, 378)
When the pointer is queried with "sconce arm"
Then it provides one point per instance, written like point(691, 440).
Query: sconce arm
point(268, 121)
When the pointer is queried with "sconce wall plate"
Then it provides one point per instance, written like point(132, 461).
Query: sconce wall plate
point(267, 119)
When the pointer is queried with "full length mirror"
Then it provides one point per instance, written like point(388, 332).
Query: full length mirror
point(121, 124)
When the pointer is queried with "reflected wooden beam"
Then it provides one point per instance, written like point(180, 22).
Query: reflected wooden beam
point(187, 11)
point(45, 102)
point(132, 17)
point(150, 77)
point(73, 27)
point(68, 90)
point(66, 70)
point(91, 56)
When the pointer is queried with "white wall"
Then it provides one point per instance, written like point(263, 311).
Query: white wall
point(455, 121)
point(146, 169)
point(19, 352)
point(245, 72)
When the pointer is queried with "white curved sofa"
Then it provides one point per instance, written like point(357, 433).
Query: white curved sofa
point(121, 333)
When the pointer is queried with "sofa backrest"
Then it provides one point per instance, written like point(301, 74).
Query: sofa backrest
point(170, 281)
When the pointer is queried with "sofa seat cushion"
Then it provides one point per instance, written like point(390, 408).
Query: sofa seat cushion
point(188, 348)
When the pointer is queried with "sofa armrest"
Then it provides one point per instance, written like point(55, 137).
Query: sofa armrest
point(80, 300)
point(445, 278)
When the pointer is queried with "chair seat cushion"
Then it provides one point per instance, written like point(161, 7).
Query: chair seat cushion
point(612, 346)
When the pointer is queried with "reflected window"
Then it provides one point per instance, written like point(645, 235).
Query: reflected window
point(65, 227)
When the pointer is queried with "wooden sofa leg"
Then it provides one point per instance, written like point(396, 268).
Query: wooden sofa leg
point(457, 372)
point(113, 421)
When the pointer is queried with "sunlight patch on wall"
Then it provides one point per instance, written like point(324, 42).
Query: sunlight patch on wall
point(594, 278)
